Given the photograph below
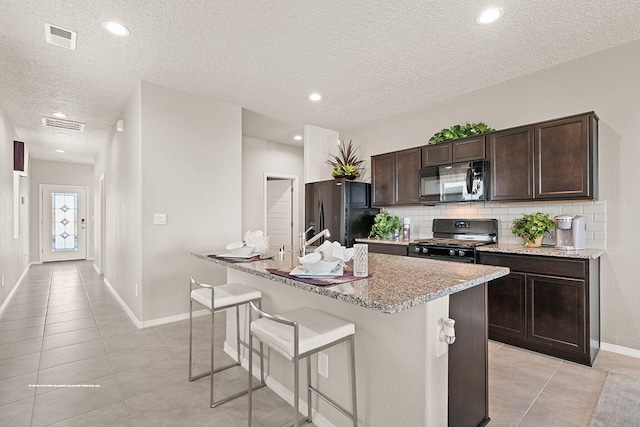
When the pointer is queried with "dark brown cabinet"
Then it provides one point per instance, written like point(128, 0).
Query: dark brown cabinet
point(459, 150)
point(388, 248)
point(394, 178)
point(546, 304)
point(546, 161)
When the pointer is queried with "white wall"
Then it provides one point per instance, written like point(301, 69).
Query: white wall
point(179, 154)
point(191, 170)
point(606, 83)
point(319, 143)
point(58, 173)
point(260, 157)
point(13, 251)
point(120, 162)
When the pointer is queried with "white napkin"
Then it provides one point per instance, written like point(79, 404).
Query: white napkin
point(333, 251)
point(253, 238)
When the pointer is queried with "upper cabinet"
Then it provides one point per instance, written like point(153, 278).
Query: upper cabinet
point(459, 150)
point(395, 178)
point(546, 161)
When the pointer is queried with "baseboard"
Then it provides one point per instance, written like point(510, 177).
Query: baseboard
point(95, 267)
point(620, 349)
point(176, 318)
point(284, 393)
point(35, 263)
point(15, 288)
point(124, 305)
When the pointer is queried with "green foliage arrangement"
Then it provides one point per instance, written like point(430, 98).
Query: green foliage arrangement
point(346, 164)
point(530, 227)
point(459, 131)
point(383, 225)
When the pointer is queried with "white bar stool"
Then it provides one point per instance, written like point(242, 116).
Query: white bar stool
point(223, 296)
point(298, 334)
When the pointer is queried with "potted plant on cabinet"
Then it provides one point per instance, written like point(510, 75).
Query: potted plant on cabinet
point(346, 164)
point(460, 131)
point(384, 226)
point(532, 228)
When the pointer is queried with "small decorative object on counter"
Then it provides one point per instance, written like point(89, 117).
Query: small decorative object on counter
point(532, 228)
point(383, 225)
point(406, 229)
point(263, 246)
point(360, 260)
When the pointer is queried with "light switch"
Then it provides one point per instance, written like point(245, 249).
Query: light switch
point(159, 219)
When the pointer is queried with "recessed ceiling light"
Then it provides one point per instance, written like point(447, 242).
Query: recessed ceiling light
point(490, 15)
point(315, 96)
point(59, 115)
point(116, 28)
point(59, 151)
point(298, 138)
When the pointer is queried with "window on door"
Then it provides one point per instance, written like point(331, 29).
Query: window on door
point(64, 226)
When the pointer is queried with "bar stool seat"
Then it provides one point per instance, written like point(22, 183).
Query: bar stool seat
point(298, 334)
point(217, 298)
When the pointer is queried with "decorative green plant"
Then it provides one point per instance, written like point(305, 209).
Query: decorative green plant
point(459, 131)
point(346, 163)
point(530, 227)
point(384, 224)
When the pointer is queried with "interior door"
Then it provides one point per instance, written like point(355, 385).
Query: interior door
point(63, 230)
point(279, 211)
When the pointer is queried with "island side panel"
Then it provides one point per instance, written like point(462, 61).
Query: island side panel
point(399, 379)
point(468, 359)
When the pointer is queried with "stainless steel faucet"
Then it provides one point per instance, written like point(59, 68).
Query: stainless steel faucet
point(304, 242)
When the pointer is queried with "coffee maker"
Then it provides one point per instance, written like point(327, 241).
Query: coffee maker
point(571, 231)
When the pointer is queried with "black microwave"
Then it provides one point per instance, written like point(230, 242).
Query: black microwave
point(457, 182)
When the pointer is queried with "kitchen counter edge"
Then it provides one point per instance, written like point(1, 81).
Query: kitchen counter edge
point(544, 251)
point(342, 292)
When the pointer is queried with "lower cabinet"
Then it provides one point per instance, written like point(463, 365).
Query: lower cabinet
point(388, 248)
point(546, 304)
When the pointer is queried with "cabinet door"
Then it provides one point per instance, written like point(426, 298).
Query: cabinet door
point(388, 248)
point(469, 149)
point(507, 304)
point(556, 312)
point(563, 159)
point(511, 164)
point(382, 179)
point(407, 168)
point(437, 154)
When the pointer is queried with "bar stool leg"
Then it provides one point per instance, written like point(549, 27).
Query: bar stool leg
point(250, 393)
point(309, 389)
point(239, 360)
point(190, 334)
point(212, 358)
point(296, 390)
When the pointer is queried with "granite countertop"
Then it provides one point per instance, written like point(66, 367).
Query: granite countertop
point(544, 251)
point(396, 283)
point(385, 241)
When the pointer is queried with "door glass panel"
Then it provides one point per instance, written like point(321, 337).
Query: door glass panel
point(64, 225)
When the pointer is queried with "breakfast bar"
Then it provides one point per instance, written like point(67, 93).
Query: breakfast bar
point(398, 312)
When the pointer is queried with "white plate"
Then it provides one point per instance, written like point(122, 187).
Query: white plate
point(230, 255)
point(303, 273)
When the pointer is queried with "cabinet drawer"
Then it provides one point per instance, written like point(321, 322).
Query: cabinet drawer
point(391, 249)
point(573, 268)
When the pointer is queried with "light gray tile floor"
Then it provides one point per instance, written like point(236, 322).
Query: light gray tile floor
point(63, 327)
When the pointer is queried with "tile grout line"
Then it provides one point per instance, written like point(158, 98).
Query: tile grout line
point(539, 393)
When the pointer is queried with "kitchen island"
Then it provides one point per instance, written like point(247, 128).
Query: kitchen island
point(397, 312)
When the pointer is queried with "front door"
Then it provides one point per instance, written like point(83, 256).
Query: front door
point(279, 211)
point(63, 230)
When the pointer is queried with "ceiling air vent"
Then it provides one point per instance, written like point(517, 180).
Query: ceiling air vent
point(50, 122)
point(60, 37)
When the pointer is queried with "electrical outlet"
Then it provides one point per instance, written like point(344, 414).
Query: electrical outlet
point(323, 364)
point(136, 290)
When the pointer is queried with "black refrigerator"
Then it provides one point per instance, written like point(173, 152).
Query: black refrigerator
point(340, 205)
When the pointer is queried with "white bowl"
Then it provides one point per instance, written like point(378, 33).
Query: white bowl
point(320, 267)
point(234, 245)
point(243, 251)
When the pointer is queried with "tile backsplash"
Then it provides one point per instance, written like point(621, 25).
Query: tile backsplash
point(422, 217)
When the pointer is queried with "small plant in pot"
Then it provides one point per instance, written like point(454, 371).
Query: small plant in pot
point(532, 228)
point(384, 226)
point(346, 164)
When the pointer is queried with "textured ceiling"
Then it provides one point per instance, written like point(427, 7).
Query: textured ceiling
point(369, 59)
